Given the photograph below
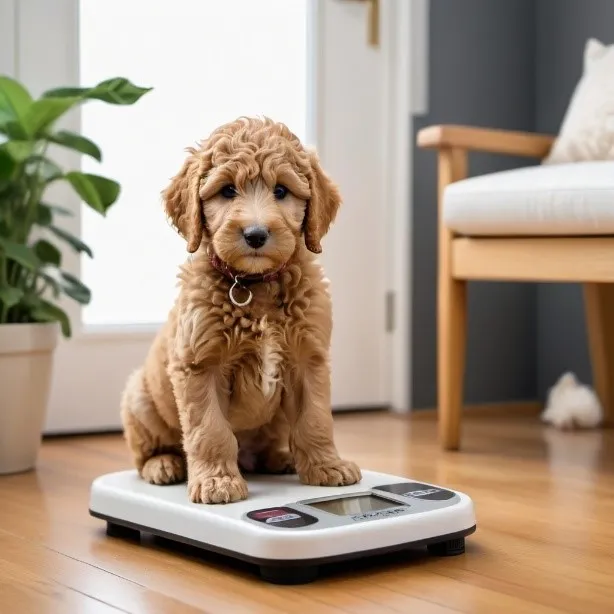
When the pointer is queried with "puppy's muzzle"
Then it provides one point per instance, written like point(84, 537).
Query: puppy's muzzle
point(256, 236)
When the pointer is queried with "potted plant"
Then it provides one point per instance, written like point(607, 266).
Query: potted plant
point(32, 279)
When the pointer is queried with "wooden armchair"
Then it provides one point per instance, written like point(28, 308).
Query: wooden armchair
point(543, 223)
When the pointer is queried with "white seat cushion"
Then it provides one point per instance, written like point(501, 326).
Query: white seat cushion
point(545, 200)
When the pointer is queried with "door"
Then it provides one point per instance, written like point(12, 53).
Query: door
point(308, 63)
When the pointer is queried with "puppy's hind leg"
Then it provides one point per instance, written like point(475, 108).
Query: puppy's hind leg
point(155, 446)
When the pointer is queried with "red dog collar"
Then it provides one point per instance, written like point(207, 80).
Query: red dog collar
point(242, 278)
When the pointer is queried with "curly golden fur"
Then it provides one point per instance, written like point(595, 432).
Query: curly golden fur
point(226, 390)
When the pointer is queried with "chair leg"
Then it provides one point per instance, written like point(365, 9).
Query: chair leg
point(599, 307)
point(452, 340)
point(452, 313)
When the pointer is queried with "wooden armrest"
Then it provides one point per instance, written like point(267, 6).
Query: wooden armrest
point(486, 139)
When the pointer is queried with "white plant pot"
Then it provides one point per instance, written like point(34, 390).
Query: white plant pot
point(26, 367)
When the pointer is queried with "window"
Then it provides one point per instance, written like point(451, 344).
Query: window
point(174, 47)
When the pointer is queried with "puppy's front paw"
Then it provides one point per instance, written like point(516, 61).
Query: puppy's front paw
point(336, 473)
point(217, 489)
point(164, 469)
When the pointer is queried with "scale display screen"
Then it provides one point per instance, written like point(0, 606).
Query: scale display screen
point(347, 506)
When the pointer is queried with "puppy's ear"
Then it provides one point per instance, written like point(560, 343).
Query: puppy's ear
point(182, 203)
point(322, 206)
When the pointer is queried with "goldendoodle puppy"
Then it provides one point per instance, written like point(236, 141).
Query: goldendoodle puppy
point(238, 378)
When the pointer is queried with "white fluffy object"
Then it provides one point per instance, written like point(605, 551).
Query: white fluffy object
point(587, 130)
point(572, 405)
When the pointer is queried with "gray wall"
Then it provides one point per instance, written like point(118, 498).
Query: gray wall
point(563, 27)
point(506, 64)
point(481, 73)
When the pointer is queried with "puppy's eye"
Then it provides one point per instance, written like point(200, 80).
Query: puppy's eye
point(228, 191)
point(280, 192)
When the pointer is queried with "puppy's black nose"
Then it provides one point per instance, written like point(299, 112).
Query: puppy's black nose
point(256, 236)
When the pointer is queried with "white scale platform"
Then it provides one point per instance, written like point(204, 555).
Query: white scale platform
point(288, 528)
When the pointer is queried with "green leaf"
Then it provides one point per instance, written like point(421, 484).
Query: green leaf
point(18, 150)
point(74, 288)
point(46, 211)
point(47, 252)
point(44, 217)
point(98, 192)
point(10, 296)
point(44, 112)
point(67, 283)
point(73, 241)
point(76, 142)
point(14, 99)
point(117, 90)
point(7, 165)
point(20, 253)
point(14, 130)
point(44, 311)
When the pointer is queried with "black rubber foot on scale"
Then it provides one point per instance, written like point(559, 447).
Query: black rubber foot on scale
point(288, 575)
point(118, 530)
point(451, 547)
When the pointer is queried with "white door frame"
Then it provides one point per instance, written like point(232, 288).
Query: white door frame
point(403, 26)
point(397, 26)
point(404, 45)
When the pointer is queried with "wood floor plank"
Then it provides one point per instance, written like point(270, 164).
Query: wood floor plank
point(544, 502)
point(465, 596)
point(360, 594)
point(74, 575)
point(25, 592)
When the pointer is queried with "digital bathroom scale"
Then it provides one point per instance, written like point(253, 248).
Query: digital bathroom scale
point(287, 528)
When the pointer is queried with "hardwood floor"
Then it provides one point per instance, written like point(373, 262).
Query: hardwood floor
point(545, 538)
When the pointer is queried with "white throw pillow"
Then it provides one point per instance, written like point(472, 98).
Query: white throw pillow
point(587, 130)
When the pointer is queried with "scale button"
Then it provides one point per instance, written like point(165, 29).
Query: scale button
point(283, 517)
point(271, 512)
point(417, 491)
